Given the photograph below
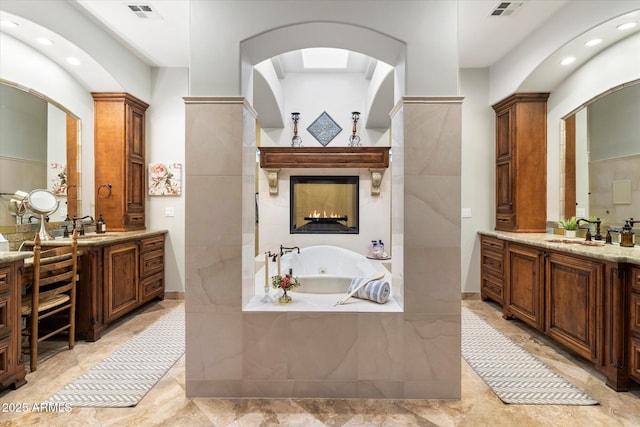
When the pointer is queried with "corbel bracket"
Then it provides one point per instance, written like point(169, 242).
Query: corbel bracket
point(272, 177)
point(376, 180)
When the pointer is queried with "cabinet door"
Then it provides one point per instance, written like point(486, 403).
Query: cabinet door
point(524, 287)
point(135, 168)
point(504, 134)
point(574, 286)
point(120, 279)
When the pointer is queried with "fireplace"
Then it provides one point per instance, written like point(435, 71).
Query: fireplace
point(324, 205)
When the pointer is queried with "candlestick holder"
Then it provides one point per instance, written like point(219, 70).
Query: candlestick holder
point(354, 140)
point(296, 141)
point(266, 298)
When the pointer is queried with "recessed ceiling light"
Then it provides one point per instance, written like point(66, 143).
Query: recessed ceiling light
point(627, 25)
point(8, 24)
point(73, 61)
point(322, 57)
point(593, 42)
point(568, 60)
point(44, 41)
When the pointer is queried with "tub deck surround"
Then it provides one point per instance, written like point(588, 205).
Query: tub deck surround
point(231, 352)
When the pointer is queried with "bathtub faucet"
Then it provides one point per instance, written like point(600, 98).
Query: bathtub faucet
point(284, 250)
point(274, 257)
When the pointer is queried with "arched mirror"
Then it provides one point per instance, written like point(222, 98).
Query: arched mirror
point(602, 157)
point(39, 149)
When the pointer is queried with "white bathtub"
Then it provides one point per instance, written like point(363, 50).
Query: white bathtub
point(327, 269)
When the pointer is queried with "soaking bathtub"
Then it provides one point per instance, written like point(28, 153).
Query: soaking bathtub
point(325, 273)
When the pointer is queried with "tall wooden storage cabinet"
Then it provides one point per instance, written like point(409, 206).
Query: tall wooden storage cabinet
point(521, 162)
point(120, 160)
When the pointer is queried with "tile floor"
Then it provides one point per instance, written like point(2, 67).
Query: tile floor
point(167, 405)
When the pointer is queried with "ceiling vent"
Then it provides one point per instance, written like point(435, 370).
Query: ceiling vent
point(506, 8)
point(144, 11)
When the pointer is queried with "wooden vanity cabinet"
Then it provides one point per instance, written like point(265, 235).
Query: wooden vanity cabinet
point(573, 293)
point(12, 371)
point(119, 151)
point(492, 269)
point(521, 162)
point(524, 290)
point(634, 323)
point(116, 278)
point(589, 305)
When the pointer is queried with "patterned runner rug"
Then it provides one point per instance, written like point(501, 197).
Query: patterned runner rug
point(124, 378)
point(513, 374)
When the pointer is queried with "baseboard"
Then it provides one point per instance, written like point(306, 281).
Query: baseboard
point(470, 295)
point(173, 295)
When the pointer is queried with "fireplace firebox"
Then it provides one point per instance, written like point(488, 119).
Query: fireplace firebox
point(324, 205)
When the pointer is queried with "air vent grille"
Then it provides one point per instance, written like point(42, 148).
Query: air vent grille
point(506, 8)
point(144, 11)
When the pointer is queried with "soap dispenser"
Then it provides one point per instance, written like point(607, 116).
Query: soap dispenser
point(626, 235)
point(101, 227)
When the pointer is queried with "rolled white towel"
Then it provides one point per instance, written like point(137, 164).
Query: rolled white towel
point(376, 291)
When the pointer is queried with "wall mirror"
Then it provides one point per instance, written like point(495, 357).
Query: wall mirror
point(602, 157)
point(39, 149)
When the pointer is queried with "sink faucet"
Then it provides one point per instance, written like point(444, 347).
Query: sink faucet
point(597, 222)
point(77, 220)
point(284, 250)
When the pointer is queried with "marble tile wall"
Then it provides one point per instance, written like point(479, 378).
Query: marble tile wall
point(231, 353)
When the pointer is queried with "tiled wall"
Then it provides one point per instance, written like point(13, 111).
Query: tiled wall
point(231, 353)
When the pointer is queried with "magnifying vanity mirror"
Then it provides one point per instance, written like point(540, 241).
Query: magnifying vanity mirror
point(602, 157)
point(39, 149)
point(43, 203)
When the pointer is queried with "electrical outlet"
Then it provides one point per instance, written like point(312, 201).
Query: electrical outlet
point(169, 212)
point(466, 212)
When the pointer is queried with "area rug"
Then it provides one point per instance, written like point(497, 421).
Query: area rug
point(514, 375)
point(124, 378)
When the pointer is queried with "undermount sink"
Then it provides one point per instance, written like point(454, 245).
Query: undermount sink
point(577, 242)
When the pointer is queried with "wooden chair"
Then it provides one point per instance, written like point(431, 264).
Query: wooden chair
point(53, 290)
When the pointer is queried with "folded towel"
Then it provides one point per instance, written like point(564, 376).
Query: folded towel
point(377, 290)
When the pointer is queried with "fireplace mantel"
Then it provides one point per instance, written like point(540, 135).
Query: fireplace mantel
point(376, 159)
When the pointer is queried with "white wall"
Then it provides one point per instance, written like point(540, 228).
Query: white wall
point(215, 61)
point(165, 139)
point(478, 171)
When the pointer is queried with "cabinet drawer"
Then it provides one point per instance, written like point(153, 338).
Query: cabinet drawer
point(151, 244)
point(493, 262)
point(5, 280)
point(634, 313)
point(151, 262)
point(152, 287)
point(505, 221)
point(492, 287)
point(133, 220)
point(5, 328)
point(635, 279)
point(634, 359)
point(492, 243)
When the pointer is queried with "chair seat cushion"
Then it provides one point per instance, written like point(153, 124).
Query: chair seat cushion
point(45, 304)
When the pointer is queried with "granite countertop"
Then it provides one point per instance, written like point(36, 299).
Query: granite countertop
point(11, 256)
point(108, 238)
point(576, 246)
